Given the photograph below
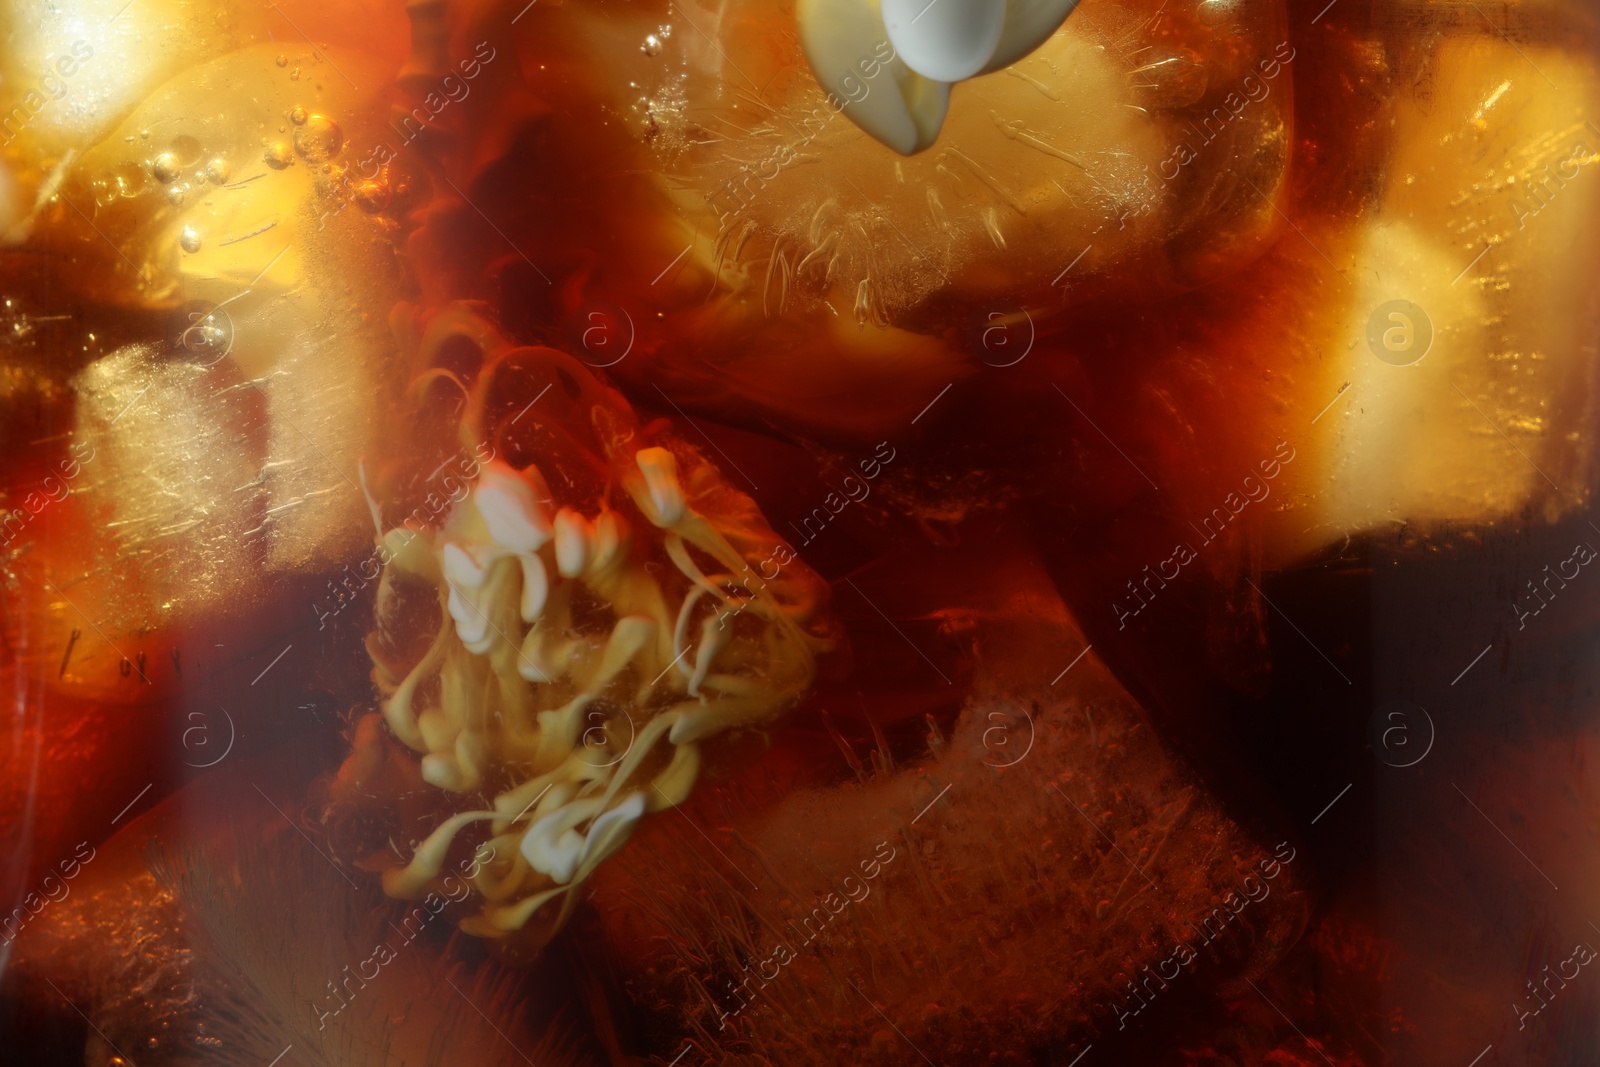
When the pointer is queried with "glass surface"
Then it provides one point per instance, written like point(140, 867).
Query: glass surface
point(618, 532)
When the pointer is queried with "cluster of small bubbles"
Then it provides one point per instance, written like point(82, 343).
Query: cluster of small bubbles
point(218, 170)
point(20, 326)
point(166, 167)
point(372, 196)
point(278, 155)
point(319, 140)
point(189, 239)
point(298, 116)
point(651, 46)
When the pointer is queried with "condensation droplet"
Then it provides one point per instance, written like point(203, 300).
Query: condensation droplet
point(165, 167)
point(651, 46)
point(298, 116)
point(278, 155)
point(189, 239)
point(218, 171)
point(319, 140)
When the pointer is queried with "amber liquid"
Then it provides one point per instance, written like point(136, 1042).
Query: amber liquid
point(1126, 623)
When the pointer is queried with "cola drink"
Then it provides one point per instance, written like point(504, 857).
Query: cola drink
point(799, 533)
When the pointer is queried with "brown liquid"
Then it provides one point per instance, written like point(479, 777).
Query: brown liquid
point(1202, 584)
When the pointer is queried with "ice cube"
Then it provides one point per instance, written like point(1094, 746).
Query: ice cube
point(713, 190)
point(1466, 338)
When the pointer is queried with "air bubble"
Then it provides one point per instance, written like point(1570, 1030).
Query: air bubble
point(218, 171)
point(166, 167)
point(185, 149)
point(298, 116)
point(319, 140)
point(189, 239)
point(651, 46)
point(283, 61)
point(278, 155)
